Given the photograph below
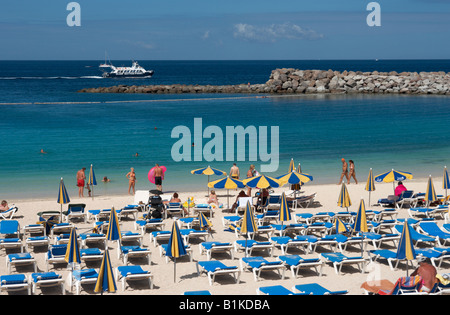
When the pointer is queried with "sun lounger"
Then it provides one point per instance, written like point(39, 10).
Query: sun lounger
point(133, 273)
point(377, 227)
point(214, 268)
point(201, 292)
point(173, 209)
point(128, 236)
point(321, 228)
point(91, 254)
point(305, 201)
point(19, 260)
point(56, 255)
point(316, 289)
point(8, 243)
point(389, 255)
point(36, 241)
point(407, 198)
point(204, 208)
point(127, 252)
point(211, 247)
point(149, 224)
point(391, 213)
point(303, 241)
point(90, 238)
point(75, 211)
point(34, 229)
point(405, 286)
point(242, 203)
point(250, 245)
point(378, 239)
point(259, 264)
point(231, 219)
point(127, 210)
point(296, 262)
point(339, 260)
point(417, 237)
point(101, 214)
point(10, 228)
point(275, 290)
point(268, 216)
point(436, 256)
point(64, 239)
point(80, 277)
point(9, 214)
point(61, 228)
point(163, 250)
point(17, 282)
point(187, 234)
point(342, 241)
point(310, 218)
point(432, 229)
point(45, 280)
point(157, 236)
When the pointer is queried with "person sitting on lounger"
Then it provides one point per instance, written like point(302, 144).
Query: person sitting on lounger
point(176, 199)
point(399, 189)
point(213, 198)
point(4, 206)
point(427, 272)
point(236, 203)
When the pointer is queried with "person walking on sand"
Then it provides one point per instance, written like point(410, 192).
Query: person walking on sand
point(159, 177)
point(131, 175)
point(344, 171)
point(234, 172)
point(352, 172)
point(81, 176)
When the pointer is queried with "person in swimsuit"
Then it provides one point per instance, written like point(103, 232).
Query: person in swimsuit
point(159, 177)
point(131, 175)
point(81, 176)
point(234, 172)
point(352, 172)
point(250, 173)
point(4, 206)
point(344, 171)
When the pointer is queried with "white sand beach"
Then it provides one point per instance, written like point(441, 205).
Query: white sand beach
point(187, 278)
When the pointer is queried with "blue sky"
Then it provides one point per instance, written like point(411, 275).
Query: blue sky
point(228, 29)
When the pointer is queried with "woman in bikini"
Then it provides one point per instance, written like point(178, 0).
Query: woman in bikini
point(131, 181)
point(352, 172)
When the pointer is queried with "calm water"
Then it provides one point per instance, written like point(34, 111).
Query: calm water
point(409, 133)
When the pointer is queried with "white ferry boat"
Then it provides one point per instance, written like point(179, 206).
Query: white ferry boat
point(135, 71)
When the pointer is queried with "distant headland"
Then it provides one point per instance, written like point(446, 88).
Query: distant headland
point(295, 81)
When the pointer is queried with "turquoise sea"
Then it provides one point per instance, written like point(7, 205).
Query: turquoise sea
point(41, 109)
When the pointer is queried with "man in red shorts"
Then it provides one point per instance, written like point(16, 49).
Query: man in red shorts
point(80, 181)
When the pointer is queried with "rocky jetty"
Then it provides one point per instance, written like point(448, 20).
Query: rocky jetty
point(294, 81)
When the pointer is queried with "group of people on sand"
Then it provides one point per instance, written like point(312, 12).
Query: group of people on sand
point(348, 171)
point(81, 179)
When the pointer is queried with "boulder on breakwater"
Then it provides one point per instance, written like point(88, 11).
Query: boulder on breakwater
point(295, 81)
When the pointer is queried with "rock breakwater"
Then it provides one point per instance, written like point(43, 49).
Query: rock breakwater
point(295, 81)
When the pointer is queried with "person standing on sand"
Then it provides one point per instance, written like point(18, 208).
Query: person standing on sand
point(131, 175)
point(344, 171)
point(234, 172)
point(81, 176)
point(159, 177)
point(352, 172)
point(250, 173)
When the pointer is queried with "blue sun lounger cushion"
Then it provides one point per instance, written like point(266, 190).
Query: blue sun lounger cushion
point(295, 262)
point(316, 289)
point(215, 267)
point(275, 290)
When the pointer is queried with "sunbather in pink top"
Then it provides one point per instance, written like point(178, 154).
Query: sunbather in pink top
point(399, 189)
